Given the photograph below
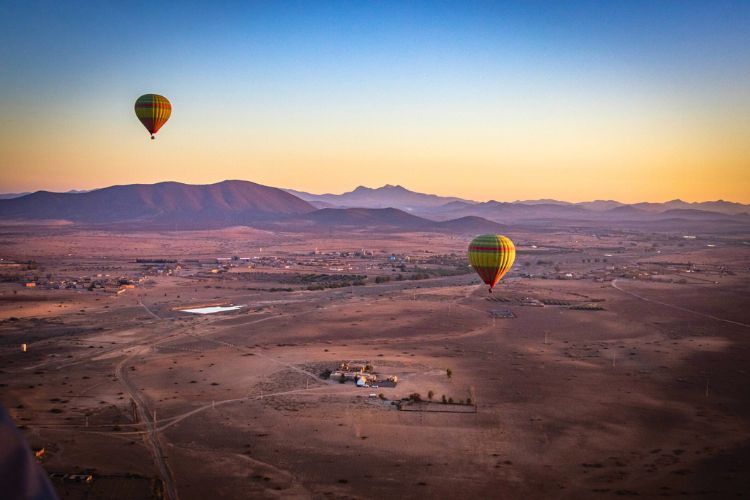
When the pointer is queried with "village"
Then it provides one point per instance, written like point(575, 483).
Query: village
point(634, 257)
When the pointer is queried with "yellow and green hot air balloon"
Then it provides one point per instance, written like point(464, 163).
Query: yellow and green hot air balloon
point(153, 111)
point(491, 256)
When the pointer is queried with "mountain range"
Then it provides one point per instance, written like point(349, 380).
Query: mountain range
point(404, 199)
point(8, 196)
point(395, 208)
point(387, 196)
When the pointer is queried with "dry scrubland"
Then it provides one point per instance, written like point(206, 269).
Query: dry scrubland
point(627, 377)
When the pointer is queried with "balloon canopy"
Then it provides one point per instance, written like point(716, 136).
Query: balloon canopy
point(153, 111)
point(491, 256)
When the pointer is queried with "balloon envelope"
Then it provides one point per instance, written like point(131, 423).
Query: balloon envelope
point(153, 111)
point(491, 256)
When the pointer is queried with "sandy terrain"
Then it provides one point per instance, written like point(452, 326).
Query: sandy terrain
point(622, 381)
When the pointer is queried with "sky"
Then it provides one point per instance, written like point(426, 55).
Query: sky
point(632, 100)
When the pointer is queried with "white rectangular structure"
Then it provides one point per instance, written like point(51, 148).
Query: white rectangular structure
point(211, 310)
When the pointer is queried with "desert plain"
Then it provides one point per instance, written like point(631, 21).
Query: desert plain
point(607, 363)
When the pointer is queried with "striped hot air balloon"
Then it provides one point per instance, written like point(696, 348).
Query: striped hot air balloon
point(153, 111)
point(491, 256)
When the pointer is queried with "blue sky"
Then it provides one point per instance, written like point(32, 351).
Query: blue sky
point(276, 89)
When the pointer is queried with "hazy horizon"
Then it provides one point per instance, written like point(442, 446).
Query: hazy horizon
point(375, 187)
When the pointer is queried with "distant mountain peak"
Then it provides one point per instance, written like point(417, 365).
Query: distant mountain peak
point(383, 188)
point(388, 195)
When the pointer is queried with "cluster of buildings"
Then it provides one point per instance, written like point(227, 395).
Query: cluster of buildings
point(160, 267)
point(362, 374)
point(78, 478)
point(101, 282)
point(363, 253)
point(331, 261)
point(115, 283)
point(334, 261)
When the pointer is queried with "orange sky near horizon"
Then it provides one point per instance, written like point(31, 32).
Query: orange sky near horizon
point(569, 159)
point(631, 101)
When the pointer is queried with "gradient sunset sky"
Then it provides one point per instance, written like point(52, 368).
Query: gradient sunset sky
point(634, 101)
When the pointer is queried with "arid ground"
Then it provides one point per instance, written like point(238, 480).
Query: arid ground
point(604, 365)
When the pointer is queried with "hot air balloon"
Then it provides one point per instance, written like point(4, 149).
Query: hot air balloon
point(153, 111)
point(491, 256)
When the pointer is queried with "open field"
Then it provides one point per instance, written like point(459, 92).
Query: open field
point(622, 370)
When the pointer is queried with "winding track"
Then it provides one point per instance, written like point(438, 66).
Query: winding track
point(151, 431)
point(152, 313)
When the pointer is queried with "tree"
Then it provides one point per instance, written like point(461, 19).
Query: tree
point(449, 372)
point(444, 399)
point(430, 394)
